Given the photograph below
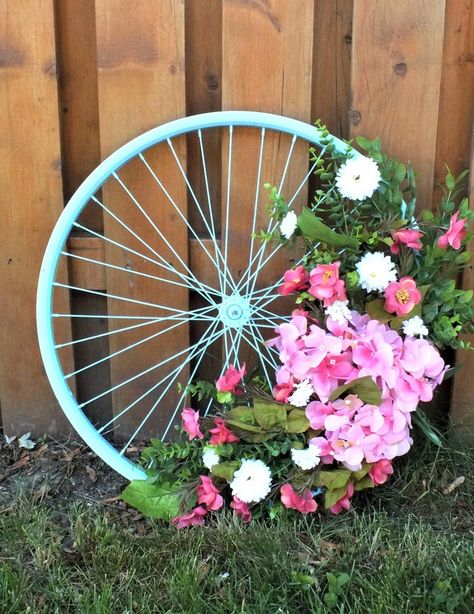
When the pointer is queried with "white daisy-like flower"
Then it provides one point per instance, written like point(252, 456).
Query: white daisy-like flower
point(358, 178)
point(301, 394)
point(307, 458)
point(339, 311)
point(414, 327)
point(210, 457)
point(25, 442)
point(288, 224)
point(375, 271)
point(252, 481)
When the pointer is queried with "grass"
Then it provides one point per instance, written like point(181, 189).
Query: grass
point(405, 548)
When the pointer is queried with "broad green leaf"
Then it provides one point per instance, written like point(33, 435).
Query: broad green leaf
point(297, 422)
point(251, 428)
point(154, 500)
point(243, 414)
point(450, 182)
point(334, 479)
point(332, 496)
point(364, 387)
point(364, 483)
point(400, 172)
point(315, 230)
point(270, 415)
point(225, 471)
point(376, 311)
point(358, 475)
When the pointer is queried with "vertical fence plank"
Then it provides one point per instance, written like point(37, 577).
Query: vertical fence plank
point(332, 64)
point(141, 84)
point(30, 183)
point(396, 74)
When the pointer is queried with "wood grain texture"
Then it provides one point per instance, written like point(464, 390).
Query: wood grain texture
point(396, 74)
point(30, 183)
point(332, 64)
point(141, 84)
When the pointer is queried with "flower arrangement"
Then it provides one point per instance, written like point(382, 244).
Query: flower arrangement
point(376, 302)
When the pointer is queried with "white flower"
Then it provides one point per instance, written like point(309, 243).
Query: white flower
point(375, 271)
point(339, 311)
point(10, 440)
point(288, 224)
point(210, 457)
point(301, 394)
point(358, 178)
point(414, 326)
point(306, 459)
point(25, 442)
point(252, 481)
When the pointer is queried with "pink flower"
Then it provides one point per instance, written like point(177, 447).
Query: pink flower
point(208, 494)
point(221, 434)
point(326, 450)
point(294, 280)
point(401, 296)
point(326, 285)
point(194, 518)
point(304, 503)
point(344, 501)
point(317, 412)
point(191, 423)
point(408, 237)
point(455, 233)
point(230, 380)
point(381, 471)
point(241, 509)
point(281, 392)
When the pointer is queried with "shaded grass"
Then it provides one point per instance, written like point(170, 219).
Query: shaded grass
point(406, 548)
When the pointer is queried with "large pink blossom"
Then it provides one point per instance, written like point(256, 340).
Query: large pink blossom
point(230, 380)
point(220, 434)
point(191, 423)
point(208, 494)
point(409, 237)
point(325, 284)
point(401, 296)
point(194, 518)
point(294, 280)
point(303, 503)
point(455, 234)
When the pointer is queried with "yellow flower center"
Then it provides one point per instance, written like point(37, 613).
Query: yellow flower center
point(402, 296)
point(327, 275)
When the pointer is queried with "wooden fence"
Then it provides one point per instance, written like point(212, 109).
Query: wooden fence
point(81, 77)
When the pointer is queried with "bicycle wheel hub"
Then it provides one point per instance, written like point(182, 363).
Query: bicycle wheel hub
point(234, 311)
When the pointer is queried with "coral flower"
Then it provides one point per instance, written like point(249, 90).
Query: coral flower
point(409, 237)
point(208, 494)
point(326, 285)
point(221, 434)
point(241, 509)
point(191, 423)
point(381, 471)
point(304, 503)
point(401, 296)
point(194, 518)
point(230, 380)
point(281, 392)
point(455, 233)
point(344, 502)
point(294, 280)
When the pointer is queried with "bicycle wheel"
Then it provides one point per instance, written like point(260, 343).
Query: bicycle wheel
point(161, 239)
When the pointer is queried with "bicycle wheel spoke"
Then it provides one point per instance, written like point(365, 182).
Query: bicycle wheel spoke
point(227, 206)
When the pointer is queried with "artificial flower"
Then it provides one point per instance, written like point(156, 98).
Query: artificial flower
point(344, 502)
point(208, 494)
point(191, 423)
point(281, 392)
point(230, 380)
point(381, 471)
point(358, 178)
point(294, 280)
point(409, 237)
point(301, 394)
point(376, 271)
point(194, 518)
point(241, 509)
point(303, 503)
point(288, 224)
point(338, 311)
point(306, 459)
point(252, 481)
point(325, 284)
point(221, 434)
point(210, 457)
point(401, 296)
point(455, 234)
point(414, 327)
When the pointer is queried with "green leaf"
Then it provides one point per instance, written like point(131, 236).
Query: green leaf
point(366, 482)
point(225, 471)
point(224, 397)
point(376, 311)
point(364, 387)
point(154, 500)
point(462, 258)
point(400, 172)
point(297, 422)
point(358, 475)
point(315, 230)
point(270, 415)
point(242, 413)
point(334, 479)
point(450, 182)
point(333, 495)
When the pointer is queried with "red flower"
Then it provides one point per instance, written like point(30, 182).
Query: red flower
point(208, 494)
point(241, 509)
point(381, 471)
point(344, 502)
point(303, 503)
point(191, 424)
point(281, 392)
point(194, 518)
point(221, 434)
point(401, 296)
point(455, 233)
point(230, 379)
point(409, 237)
point(294, 280)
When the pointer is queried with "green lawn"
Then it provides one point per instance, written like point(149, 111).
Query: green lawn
point(406, 548)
